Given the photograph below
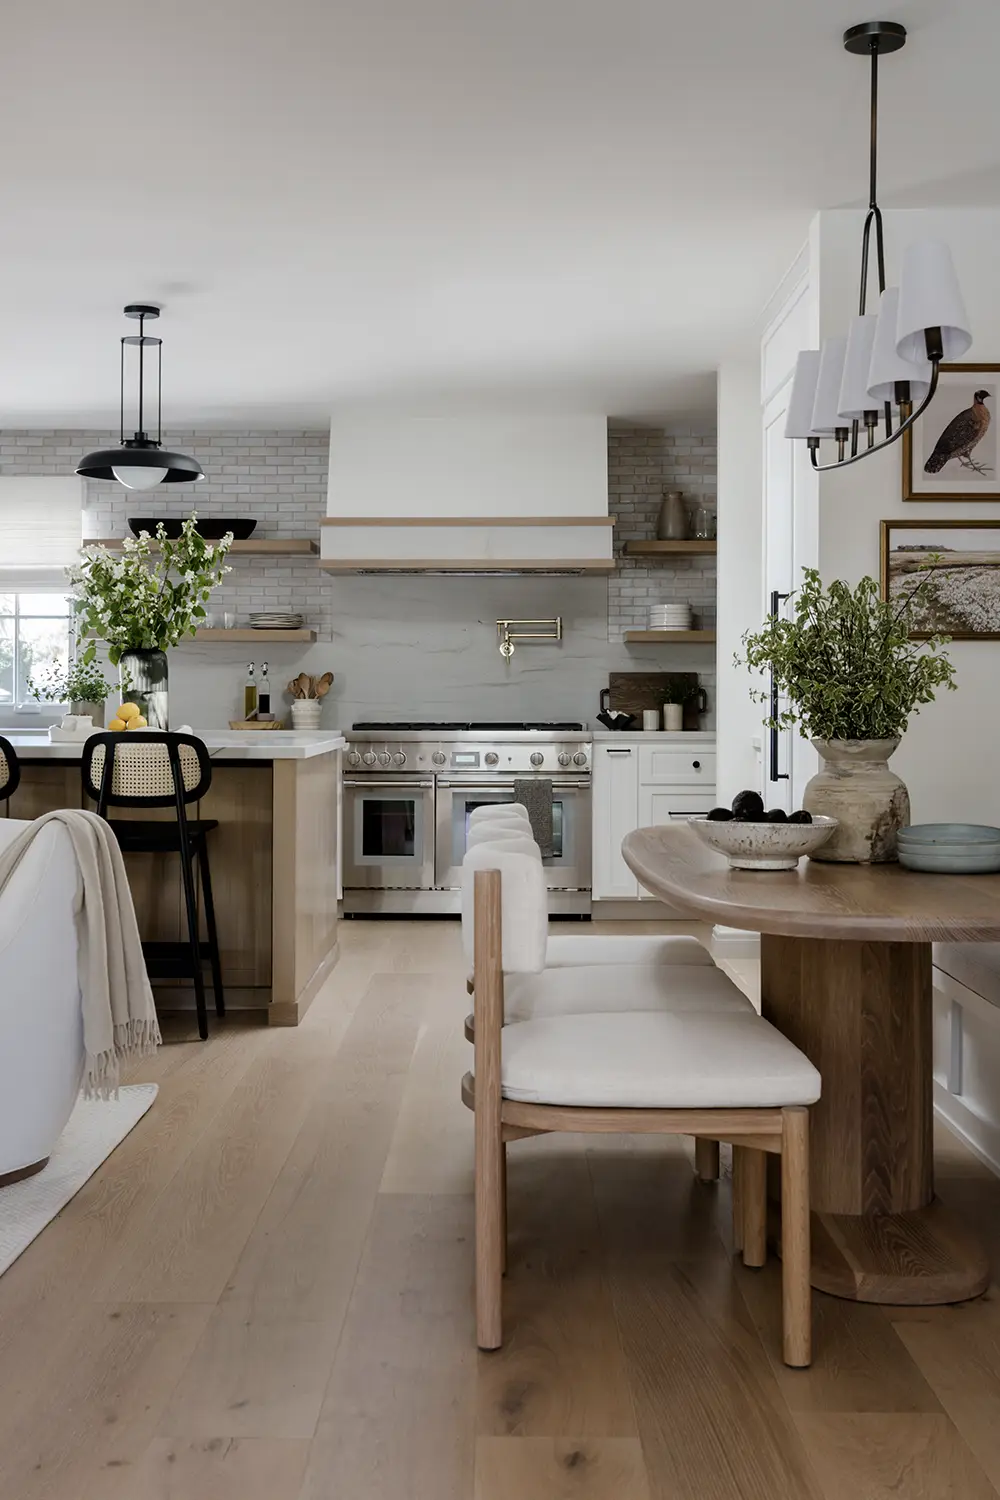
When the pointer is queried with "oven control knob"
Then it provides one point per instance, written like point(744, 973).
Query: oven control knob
point(537, 758)
point(384, 758)
point(492, 758)
point(399, 759)
point(580, 758)
point(439, 757)
point(563, 758)
point(353, 758)
point(369, 757)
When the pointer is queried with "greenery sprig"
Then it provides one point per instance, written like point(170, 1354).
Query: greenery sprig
point(845, 661)
point(82, 681)
point(143, 600)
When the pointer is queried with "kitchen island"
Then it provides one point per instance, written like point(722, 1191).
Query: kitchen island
point(275, 860)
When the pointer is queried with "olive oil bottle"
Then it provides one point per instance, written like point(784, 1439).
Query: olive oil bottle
point(250, 693)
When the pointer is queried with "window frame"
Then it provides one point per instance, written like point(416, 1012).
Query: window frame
point(23, 709)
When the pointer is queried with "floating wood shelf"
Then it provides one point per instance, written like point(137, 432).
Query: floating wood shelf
point(669, 549)
point(669, 637)
point(245, 636)
point(254, 546)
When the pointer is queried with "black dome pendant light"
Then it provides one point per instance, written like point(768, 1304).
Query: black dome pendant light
point(141, 462)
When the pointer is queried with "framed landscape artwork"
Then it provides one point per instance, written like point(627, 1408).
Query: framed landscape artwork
point(953, 452)
point(962, 561)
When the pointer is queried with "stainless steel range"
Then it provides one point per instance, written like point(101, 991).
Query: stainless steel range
point(410, 787)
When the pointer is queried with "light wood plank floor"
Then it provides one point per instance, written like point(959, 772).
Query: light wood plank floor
point(265, 1294)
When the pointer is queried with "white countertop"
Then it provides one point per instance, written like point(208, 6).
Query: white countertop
point(223, 744)
point(655, 736)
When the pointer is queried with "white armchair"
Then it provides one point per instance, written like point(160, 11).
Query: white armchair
point(41, 1025)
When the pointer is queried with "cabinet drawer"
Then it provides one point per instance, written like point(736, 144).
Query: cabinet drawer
point(673, 765)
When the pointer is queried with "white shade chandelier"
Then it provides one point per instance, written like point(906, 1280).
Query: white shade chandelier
point(885, 368)
point(140, 462)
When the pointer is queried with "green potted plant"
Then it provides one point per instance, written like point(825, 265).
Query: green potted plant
point(144, 600)
point(851, 677)
point(82, 684)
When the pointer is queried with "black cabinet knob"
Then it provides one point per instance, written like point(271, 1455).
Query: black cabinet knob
point(696, 764)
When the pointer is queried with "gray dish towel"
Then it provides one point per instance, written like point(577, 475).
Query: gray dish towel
point(535, 795)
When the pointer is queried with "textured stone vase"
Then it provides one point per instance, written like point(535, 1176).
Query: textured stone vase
point(143, 676)
point(871, 803)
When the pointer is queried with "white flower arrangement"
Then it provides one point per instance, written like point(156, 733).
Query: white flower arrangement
point(141, 600)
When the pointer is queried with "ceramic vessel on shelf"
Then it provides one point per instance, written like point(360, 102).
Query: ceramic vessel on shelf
point(672, 522)
point(673, 716)
point(764, 846)
point(870, 802)
point(144, 680)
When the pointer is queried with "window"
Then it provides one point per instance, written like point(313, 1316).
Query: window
point(35, 631)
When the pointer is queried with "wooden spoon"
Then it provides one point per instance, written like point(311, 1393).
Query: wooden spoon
point(324, 684)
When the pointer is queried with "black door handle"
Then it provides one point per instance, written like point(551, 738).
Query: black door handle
point(777, 600)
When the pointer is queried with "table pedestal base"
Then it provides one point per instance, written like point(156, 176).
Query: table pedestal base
point(861, 1012)
point(916, 1259)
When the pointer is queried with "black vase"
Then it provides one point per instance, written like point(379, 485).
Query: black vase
point(143, 679)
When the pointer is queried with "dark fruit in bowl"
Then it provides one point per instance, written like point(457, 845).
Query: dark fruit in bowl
point(777, 815)
point(720, 815)
point(800, 817)
point(748, 807)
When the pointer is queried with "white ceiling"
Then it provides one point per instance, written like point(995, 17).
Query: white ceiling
point(582, 202)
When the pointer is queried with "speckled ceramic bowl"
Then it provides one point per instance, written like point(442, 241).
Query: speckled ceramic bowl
point(764, 846)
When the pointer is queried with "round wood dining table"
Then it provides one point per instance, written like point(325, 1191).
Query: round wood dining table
point(846, 975)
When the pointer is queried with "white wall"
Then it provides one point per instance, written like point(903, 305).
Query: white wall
point(948, 757)
point(468, 465)
point(740, 599)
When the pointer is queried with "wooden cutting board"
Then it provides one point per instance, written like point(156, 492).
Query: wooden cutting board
point(631, 692)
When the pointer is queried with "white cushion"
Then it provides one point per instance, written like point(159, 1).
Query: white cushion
point(976, 965)
point(584, 948)
point(524, 902)
point(487, 832)
point(515, 811)
point(655, 1060)
point(571, 992)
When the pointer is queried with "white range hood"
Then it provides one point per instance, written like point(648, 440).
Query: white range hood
point(468, 494)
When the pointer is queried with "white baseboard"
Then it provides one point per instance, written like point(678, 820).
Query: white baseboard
point(734, 943)
point(638, 911)
point(981, 1137)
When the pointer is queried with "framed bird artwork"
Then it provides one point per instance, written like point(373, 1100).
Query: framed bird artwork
point(953, 452)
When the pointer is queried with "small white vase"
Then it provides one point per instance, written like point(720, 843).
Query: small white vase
point(870, 802)
point(306, 712)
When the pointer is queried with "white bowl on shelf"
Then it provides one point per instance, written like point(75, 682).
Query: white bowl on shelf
point(764, 846)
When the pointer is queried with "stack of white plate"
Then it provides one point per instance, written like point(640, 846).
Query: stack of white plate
point(950, 848)
point(275, 621)
point(670, 617)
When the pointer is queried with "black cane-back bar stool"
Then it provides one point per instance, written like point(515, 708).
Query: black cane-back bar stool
point(154, 769)
point(10, 770)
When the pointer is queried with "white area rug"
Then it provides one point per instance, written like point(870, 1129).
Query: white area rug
point(95, 1128)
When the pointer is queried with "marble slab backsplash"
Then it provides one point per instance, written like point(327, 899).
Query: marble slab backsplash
point(398, 646)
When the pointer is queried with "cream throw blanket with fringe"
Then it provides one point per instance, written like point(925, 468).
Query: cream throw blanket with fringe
point(119, 1019)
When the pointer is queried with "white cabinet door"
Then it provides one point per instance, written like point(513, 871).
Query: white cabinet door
point(659, 804)
point(615, 813)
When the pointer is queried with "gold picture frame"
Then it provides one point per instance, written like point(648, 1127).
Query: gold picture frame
point(966, 574)
point(956, 387)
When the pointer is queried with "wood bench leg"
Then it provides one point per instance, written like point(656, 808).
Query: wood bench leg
point(753, 1196)
point(738, 1199)
point(796, 1291)
point(706, 1159)
point(503, 1208)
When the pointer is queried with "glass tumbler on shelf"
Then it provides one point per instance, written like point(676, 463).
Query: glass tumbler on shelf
point(703, 523)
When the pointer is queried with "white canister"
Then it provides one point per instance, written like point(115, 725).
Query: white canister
point(650, 719)
point(673, 716)
point(306, 712)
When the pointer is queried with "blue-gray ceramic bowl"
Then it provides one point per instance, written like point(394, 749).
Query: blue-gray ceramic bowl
point(930, 834)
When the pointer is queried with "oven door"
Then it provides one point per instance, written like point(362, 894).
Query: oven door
point(568, 868)
point(388, 833)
